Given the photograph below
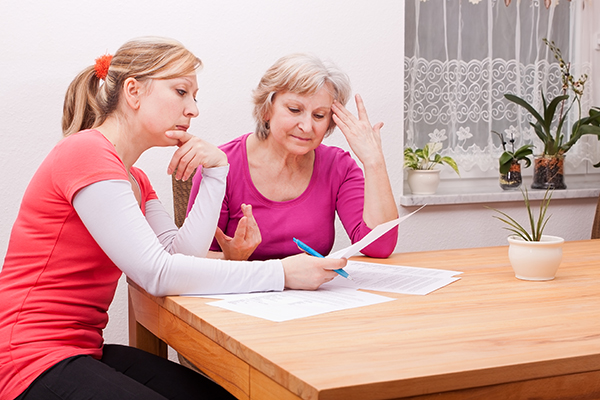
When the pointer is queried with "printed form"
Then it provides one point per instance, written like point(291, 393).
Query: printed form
point(341, 293)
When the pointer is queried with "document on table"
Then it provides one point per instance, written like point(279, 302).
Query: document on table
point(339, 294)
point(370, 237)
point(394, 278)
point(292, 304)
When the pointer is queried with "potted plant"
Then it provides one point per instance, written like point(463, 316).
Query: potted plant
point(423, 178)
point(510, 161)
point(548, 168)
point(533, 255)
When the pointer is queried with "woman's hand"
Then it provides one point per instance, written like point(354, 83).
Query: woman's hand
point(245, 240)
point(365, 142)
point(364, 139)
point(191, 153)
point(308, 273)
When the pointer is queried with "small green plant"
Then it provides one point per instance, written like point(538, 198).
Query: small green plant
point(509, 157)
point(427, 157)
point(536, 226)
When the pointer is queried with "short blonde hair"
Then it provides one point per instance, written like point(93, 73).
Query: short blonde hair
point(88, 102)
point(298, 73)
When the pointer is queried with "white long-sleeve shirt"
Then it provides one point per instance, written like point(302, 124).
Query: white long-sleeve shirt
point(159, 257)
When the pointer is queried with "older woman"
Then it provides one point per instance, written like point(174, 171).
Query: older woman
point(285, 181)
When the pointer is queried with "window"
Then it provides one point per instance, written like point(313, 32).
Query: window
point(461, 56)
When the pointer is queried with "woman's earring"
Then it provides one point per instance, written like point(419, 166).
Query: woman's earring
point(267, 126)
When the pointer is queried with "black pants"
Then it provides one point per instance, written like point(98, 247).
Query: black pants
point(122, 373)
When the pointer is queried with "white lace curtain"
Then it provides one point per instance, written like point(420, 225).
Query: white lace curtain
point(461, 56)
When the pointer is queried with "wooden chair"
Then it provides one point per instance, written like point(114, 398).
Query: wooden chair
point(181, 195)
point(596, 224)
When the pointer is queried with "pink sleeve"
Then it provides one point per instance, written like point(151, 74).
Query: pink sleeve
point(350, 205)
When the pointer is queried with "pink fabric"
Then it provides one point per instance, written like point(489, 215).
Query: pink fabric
point(56, 283)
point(337, 184)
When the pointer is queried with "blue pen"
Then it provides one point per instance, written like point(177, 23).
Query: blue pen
point(312, 252)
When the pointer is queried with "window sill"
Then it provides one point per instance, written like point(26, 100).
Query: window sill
point(487, 190)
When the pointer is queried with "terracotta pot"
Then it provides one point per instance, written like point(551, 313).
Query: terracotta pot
point(548, 172)
point(512, 179)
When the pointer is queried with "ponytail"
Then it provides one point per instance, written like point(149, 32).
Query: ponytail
point(80, 107)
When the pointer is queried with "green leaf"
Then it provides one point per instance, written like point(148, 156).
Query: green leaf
point(526, 105)
point(523, 152)
point(539, 131)
point(449, 161)
point(514, 225)
point(549, 112)
point(559, 136)
point(587, 126)
point(505, 161)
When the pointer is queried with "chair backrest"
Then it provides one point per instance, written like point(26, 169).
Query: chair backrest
point(596, 224)
point(181, 195)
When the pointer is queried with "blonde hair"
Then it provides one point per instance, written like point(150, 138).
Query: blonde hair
point(302, 74)
point(88, 102)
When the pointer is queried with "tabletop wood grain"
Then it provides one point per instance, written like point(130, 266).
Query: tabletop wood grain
point(488, 335)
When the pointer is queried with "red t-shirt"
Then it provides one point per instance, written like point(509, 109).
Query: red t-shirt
point(56, 283)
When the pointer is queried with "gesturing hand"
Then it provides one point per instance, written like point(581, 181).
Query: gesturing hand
point(191, 153)
point(364, 139)
point(245, 240)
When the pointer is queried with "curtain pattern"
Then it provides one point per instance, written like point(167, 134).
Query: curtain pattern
point(461, 56)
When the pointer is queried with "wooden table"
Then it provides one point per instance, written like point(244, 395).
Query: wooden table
point(487, 336)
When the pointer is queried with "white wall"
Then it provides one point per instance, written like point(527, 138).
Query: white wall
point(44, 44)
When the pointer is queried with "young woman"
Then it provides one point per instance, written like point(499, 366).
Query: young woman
point(88, 215)
point(294, 183)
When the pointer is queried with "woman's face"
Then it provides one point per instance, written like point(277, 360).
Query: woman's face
point(168, 104)
point(299, 123)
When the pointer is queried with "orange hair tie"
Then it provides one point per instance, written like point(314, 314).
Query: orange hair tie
point(102, 64)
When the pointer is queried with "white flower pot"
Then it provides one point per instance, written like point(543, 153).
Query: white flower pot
point(423, 181)
point(535, 261)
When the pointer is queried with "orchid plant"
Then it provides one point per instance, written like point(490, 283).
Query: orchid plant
point(558, 144)
point(509, 157)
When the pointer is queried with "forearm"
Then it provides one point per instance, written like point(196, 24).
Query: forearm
point(215, 254)
point(197, 232)
point(379, 206)
point(112, 216)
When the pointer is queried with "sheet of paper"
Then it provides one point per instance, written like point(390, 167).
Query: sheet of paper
point(228, 296)
point(370, 237)
point(394, 278)
point(292, 304)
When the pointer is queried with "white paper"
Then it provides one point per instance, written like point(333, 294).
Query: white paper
point(292, 304)
point(370, 237)
point(394, 278)
point(226, 296)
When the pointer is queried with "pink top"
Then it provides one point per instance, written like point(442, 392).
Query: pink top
point(57, 283)
point(337, 184)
